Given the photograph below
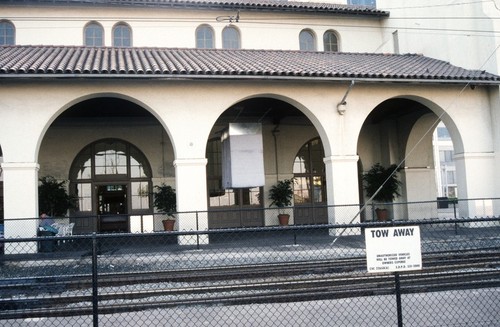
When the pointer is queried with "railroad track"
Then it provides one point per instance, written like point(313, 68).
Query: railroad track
point(280, 282)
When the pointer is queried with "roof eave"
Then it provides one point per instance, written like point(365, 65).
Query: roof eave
point(433, 81)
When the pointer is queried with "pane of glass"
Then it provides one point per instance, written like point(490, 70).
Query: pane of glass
point(6, 33)
point(84, 195)
point(301, 163)
point(223, 200)
point(110, 159)
point(138, 166)
point(301, 193)
point(318, 189)
point(140, 195)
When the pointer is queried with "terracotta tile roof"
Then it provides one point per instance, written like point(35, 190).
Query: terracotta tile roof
point(92, 62)
point(262, 5)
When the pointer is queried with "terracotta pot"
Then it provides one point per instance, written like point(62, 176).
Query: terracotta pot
point(168, 225)
point(382, 214)
point(283, 219)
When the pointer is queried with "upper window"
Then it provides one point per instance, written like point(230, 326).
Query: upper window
point(204, 37)
point(307, 41)
point(94, 35)
point(369, 3)
point(122, 35)
point(230, 38)
point(330, 41)
point(7, 33)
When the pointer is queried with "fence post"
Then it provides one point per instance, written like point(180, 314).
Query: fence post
point(95, 300)
point(398, 299)
point(197, 230)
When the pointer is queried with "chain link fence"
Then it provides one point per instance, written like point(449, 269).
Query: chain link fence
point(297, 275)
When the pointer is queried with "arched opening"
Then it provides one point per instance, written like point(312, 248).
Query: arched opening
point(403, 131)
point(285, 130)
point(111, 152)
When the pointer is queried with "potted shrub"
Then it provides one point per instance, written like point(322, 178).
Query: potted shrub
point(281, 196)
point(383, 184)
point(53, 198)
point(165, 202)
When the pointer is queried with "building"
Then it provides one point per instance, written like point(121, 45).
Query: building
point(118, 96)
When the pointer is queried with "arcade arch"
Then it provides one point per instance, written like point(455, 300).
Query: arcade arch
point(285, 130)
point(400, 131)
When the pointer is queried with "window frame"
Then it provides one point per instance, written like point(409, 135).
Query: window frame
point(5, 27)
point(329, 43)
point(231, 41)
point(307, 45)
point(122, 26)
point(204, 40)
point(96, 27)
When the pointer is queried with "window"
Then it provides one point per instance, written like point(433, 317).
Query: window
point(7, 33)
point(307, 41)
point(230, 38)
point(94, 35)
point(368, 3)
point(330, 41)
point(115, 166)
point(309, 174)
point(204, 37)
point(122, 35)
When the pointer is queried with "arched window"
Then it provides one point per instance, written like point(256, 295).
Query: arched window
point(310, 184)
point(309, 173)
point(330, 41)
point(122, 35)
point(230, 38)
point(93, 35)
point(204, 37)
point(7, 33)
point(307, 41)
point(111, 176)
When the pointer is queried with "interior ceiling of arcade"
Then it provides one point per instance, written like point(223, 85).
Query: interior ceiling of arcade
point(114, 110)
point(394, 109)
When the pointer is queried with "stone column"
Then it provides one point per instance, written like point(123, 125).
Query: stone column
point(191, 189)
point(20, 204)
point(343, 191)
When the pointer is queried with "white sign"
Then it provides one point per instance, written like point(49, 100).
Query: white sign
point(391, 249)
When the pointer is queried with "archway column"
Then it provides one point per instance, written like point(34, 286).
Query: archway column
point(475, 173)
point(20, 204)
point(191, 190)
point(342, 189)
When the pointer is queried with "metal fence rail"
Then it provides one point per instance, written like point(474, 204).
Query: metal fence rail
point(311, 275)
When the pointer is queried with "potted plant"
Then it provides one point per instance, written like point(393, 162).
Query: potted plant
point(382, 183)
point(281, 196)
point(53, 198)
point(165, 202)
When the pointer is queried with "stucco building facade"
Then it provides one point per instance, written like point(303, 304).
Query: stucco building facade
point(123, 117)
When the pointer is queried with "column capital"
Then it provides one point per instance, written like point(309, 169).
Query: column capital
point(190, 162)
point(6, 166)
point(343, 158)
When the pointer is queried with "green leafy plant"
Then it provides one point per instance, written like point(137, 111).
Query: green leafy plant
point(165, 199)
point(53, 198)
point(378, 175)
point(281, 193)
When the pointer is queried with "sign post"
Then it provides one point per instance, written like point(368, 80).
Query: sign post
point(393, 249)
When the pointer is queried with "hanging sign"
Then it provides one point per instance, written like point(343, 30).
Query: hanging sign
point(390, 249)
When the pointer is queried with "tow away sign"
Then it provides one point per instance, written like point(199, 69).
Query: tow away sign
point(390, 249)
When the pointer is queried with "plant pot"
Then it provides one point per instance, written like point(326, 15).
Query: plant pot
point(283, 219)
point(168, 225)
point(382, 214)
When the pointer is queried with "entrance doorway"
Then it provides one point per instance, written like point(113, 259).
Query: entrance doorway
point(112, 208)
